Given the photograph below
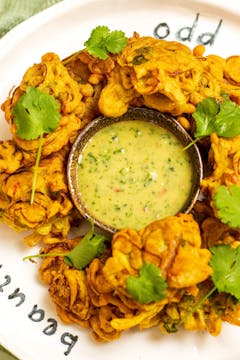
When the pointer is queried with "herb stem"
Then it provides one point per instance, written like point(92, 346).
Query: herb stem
point(36, 166)
point(190, 144)
point(71, 57)
point(197, 305)
point(29, 257)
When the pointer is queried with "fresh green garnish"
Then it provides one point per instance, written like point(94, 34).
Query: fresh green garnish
point(220, 118)
point(148, 286)
point(227, 202)
point(213, 117)
point(225, 262)
point(102, 41)
point(91, 246)
point(36, 113)
point(139, 60)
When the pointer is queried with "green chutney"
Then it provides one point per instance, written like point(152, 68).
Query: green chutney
point(131, 173)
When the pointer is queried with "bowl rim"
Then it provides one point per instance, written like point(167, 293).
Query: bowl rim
point(133, 113)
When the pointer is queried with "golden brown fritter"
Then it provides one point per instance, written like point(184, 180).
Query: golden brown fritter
point(51, 198)
point(166, 76)
point(173, 244)
point(158, 74)
point(10, 157)
point(224, 157)
point(52, 77)
point(97, 297)
point(52, 210)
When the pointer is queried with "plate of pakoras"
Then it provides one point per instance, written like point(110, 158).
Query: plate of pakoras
point(176, 58)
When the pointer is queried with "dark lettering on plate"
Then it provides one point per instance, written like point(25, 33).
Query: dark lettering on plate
point(36, 314)
point(69, 340)
point(52, 328)
point(17, 294)
point(161, 31)
point(209, 38)
point(6, 282)
point(186, 33)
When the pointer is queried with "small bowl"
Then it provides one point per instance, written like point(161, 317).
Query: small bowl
point(153, 116)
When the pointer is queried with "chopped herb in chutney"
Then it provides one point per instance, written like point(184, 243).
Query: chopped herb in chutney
point(132, 173)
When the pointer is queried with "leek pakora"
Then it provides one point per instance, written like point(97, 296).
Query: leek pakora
point(166, 76)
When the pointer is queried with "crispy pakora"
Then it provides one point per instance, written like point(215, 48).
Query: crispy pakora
point(52, 209)
point(173, 244)
point(166, 76)
point(224, 157)
point(52, 199)
point(159, 74)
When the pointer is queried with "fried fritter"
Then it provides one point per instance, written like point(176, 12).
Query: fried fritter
point(166, 76)
point(51, 198)
point(10, 157)
point(173, 244)
point(159, 74)
point(224, 156)
point(52, 209)
point(52, 77)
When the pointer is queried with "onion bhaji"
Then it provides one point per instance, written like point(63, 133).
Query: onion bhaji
point(166, 76)
point(78, 100)
point(97, 298)
point(224, 156)
point(159, 74)
point(51, 198)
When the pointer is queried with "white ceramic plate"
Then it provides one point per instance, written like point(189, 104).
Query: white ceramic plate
point(27, 315)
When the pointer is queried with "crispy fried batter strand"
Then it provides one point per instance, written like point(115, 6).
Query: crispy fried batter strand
point(159, 74)
point(224, 156)
point(167, 76)
point(51, 200)
point(98, 295)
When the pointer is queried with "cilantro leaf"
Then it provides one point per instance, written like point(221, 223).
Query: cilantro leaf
point(35, 113)
point(225, 262)
point(228, 119)
point(227, 200)
point(98, 34)
point(204, 116)
point(220, 118)
point(102, 42)
point(91, 246)
point(148, 286)
point(116, 42)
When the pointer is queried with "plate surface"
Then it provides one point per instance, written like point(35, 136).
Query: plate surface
point(30, 327)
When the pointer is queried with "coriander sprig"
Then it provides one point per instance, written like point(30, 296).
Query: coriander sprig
point(221, 118)
point(227, 200)
point(148, 286)
point(102, 42)
point(225, 262)
point(36, 113)
point(89, 247)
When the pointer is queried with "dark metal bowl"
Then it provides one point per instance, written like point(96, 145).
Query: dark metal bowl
point(163, 120)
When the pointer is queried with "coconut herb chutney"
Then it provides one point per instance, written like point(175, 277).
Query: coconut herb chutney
point(131, 173)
